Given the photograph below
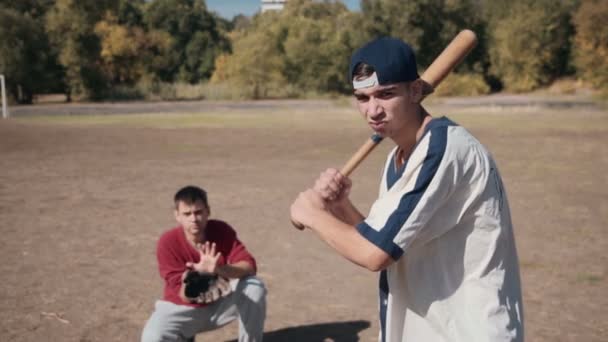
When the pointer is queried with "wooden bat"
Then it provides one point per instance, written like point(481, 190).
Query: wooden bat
point(451, 56)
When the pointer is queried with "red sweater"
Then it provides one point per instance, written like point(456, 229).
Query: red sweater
point(174, 251)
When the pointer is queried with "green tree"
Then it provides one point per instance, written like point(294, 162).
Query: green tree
point(34, 8)
point(530, 43)
point(130, 13)
point(128, 51)
point(257, 62)
point(318, 45)
point(427, 25)
point(240, 22)
point(25, 56)
point(591, 42)
point(70, 24)
point(196, 36)
point(303, 49)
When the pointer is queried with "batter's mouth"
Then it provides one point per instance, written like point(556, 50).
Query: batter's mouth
point(377, 125)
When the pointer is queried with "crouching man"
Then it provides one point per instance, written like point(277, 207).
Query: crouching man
point(209, 277)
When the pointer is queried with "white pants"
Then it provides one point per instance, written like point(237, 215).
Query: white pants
point(172, 322)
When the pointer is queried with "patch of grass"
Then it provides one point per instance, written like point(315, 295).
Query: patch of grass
point(280, 117)
point(462, 85)
point(589, 278)
point(181, 120)
point(223, 91)
point(512, 120)
point(529, 264)
point(541, 121)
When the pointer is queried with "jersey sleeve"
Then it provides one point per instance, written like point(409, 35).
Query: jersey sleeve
point(170, 264)
point(239, 252)
point(401, 211)
point(235, 249)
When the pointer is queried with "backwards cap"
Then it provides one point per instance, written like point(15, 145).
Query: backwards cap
point(393, 61)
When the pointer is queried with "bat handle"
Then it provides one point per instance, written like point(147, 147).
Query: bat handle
point(353, 162)
point(360, 155)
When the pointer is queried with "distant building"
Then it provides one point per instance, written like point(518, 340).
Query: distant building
point(273, 5)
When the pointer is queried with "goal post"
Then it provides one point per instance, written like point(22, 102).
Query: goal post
point(3, 94)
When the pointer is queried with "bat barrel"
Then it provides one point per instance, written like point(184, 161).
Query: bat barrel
point(451, 56)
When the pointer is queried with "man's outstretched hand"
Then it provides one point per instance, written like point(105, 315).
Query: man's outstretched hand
point(208, 261)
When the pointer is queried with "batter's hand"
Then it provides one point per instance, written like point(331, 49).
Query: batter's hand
point(333, 186)
point(308, 204)
point(209, 259)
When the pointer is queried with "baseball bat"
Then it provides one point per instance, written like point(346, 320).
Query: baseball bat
point(447, 60)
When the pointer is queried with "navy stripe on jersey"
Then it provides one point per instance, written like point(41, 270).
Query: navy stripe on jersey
point(393, 174)
point(439, 122)
point(383, 238)
point(383, 285)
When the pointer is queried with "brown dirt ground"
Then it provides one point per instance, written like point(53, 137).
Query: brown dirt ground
point(82, 203)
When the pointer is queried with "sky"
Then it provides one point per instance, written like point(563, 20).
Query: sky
point(229, 8)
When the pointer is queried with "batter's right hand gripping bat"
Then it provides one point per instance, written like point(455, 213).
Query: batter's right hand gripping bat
point(451, 56)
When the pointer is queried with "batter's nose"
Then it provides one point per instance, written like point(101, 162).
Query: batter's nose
point(374, 108)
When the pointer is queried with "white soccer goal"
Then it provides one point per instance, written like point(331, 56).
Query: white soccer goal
point(3, 91)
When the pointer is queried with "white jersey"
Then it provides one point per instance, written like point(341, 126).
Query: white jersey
point(445, 219)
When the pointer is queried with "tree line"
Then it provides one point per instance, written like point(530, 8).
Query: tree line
point(109, 49)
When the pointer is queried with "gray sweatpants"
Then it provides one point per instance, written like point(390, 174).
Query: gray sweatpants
point(171, 322)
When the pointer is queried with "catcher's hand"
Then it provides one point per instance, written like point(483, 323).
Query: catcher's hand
point(204, 288)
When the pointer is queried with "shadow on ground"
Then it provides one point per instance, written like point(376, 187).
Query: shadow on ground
point(336, 332)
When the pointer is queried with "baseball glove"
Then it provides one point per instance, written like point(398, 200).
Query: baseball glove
point(205, 288)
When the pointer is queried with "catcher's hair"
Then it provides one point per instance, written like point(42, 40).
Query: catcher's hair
point(190, 194)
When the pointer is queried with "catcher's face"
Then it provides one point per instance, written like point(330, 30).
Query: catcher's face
point(193, 217)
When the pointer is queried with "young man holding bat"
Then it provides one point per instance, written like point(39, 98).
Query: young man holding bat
point(208, 275)
point(440, 231)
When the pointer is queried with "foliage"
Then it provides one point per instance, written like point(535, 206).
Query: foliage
point(34, 8)
point(25, 56)
point(177, 49)
point(70, 25)
point(128, 52)
point(304, 48)
point(257, 61)
point(530, 43)
point(197, 39)
point(240, 23)
point(130, 13)
point(591, 42)
point(463, 85)
point(317, 46)
point(427, 25)
point(173, 91)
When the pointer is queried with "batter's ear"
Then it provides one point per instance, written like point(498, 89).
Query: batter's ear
point(417, 88)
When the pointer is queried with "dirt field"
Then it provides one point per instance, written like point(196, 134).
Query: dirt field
point(83, 199)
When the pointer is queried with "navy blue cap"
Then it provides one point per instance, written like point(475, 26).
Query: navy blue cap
point(393, 60)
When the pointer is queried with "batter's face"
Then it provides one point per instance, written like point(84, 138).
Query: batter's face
point(192, 217)
point(386, 108)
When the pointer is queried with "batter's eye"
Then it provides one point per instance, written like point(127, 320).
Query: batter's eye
point(386, 93)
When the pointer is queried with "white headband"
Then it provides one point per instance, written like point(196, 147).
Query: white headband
point(366, 83)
